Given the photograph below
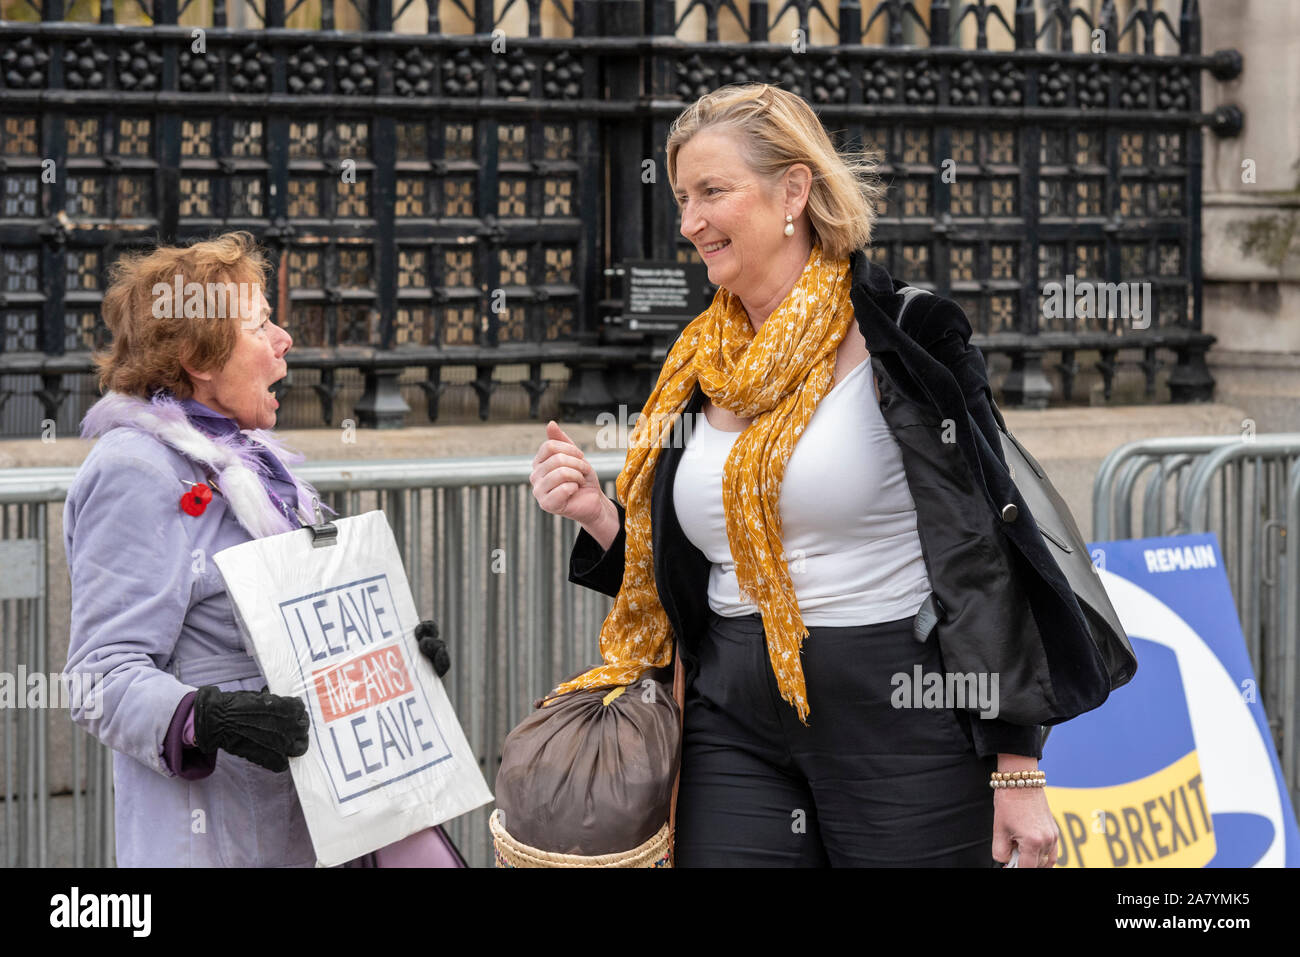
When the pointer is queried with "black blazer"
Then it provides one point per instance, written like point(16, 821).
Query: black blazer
point(988, 594)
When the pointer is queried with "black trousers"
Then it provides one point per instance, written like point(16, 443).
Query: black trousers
point(864, 784)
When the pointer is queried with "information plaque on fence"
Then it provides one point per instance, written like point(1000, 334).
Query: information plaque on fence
point(662, 295)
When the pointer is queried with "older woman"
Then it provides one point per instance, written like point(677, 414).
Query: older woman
point(814, 541)
point(183, 468)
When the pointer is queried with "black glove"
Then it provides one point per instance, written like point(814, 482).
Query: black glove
point(432, 647)
point(267, 729)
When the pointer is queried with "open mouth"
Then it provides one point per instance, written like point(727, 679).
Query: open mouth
point(714, 248)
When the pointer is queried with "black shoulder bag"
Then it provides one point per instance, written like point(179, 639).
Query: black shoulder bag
point(1064, 542)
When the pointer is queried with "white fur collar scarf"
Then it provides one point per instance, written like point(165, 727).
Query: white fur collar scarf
point(235, 466)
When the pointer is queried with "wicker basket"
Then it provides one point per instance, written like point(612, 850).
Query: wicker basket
point(656, 852)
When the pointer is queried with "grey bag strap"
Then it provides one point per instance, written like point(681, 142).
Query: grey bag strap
point(927, 616)
point(908, 293)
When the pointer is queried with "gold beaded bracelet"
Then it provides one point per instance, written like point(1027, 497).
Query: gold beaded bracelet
point(1018, 779)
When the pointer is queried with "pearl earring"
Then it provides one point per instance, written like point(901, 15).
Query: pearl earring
point(789, 225)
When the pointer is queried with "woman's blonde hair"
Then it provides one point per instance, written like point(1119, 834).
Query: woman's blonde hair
point(151, 345)
point(775, 129)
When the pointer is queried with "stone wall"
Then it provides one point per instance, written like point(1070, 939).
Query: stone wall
point(1251, 230)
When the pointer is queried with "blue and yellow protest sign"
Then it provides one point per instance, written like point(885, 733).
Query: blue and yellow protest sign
point(1178, 767)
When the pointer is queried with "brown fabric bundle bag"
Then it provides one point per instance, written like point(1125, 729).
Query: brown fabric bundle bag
point(593, 774)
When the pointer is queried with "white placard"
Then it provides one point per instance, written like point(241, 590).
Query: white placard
point(334, 626)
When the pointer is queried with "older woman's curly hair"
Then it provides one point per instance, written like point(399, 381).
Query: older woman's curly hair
point(775, 129)
point(152, 345)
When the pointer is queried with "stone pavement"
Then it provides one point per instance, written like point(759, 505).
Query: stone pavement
point(1069, 442)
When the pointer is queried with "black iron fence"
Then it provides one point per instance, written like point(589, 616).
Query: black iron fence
point(444, 206)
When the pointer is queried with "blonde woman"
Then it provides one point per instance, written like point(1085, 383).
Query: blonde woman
point(816, 544)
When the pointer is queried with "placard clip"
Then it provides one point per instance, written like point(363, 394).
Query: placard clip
point(323, 533)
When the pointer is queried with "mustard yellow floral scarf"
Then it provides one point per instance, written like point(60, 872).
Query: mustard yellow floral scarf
point(776, 377)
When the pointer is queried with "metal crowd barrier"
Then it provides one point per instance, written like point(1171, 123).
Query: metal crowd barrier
point(1290, 573)
point(481, 556)
point(1245, 489)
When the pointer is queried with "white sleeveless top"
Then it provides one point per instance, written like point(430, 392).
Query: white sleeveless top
point(848, 519)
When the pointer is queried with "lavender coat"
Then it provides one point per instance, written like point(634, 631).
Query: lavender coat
point(151, 616)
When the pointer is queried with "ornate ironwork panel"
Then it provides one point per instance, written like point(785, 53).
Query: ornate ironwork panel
point(437, 194)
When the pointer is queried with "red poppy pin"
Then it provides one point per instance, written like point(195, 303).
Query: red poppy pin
point(196, 498)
